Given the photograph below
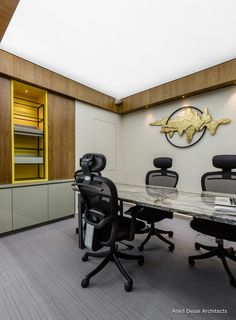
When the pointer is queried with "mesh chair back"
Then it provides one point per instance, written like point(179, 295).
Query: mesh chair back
point(215, 182)
point(101, 205)
point(221, 181)
point(100, 191)
point(163, 178)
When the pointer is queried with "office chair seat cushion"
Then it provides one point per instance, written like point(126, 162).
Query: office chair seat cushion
point(214, 229)
point(124, 227)
point(154, 215)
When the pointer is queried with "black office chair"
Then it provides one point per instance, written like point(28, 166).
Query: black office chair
point(164, 178)
point(225, 182)
point(104, 226)
point(79, 173)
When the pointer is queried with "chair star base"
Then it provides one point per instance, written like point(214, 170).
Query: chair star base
point(112, 255)
point(218, 251)
point(152, 231)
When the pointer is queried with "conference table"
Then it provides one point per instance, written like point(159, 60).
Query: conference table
point(194, 204)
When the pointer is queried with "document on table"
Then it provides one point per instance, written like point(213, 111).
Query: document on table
point(225, 205)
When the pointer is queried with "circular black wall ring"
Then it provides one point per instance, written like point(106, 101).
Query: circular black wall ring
point(190, 145)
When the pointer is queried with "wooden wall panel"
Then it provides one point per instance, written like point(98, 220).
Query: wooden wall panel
point(61, 137)
point(7, 9)
point(23, 70)
point(5, 132)
point(219, 76)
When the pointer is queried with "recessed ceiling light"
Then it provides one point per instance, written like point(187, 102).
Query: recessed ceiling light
point(146, 107)
point(183, 97)
point(26, 91)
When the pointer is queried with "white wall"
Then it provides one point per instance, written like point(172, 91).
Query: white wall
point(141, 143)
point(130, 144)
point(99, 131)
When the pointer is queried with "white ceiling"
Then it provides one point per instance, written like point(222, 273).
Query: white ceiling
point(123, 46)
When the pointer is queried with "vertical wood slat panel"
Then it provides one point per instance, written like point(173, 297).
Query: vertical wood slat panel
point(61, 137)
point(5, 132)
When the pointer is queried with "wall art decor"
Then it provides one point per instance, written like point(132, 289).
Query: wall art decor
point(187, 125)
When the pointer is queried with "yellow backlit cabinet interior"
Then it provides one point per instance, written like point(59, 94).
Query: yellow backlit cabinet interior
point(29, 133)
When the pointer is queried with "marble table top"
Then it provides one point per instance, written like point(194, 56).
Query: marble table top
point(196, 204)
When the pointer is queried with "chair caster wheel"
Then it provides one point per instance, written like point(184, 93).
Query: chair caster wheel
point(170, 234)
point(140, 248)
point(85, 283)
point(191, 261)
point(141, 260)
point(172, 247)
point(231, 251)
point(233, 282)
point(85, 257)
point(128, 286)
point(197, 246)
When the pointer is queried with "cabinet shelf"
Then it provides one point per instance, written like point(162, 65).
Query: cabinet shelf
point(24, 102)
point(23, 159)
point(27, 148)
point(29, 179)
point(27, 130)
point(25, 117)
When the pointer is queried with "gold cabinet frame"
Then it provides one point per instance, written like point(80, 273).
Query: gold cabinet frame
point(29, 123)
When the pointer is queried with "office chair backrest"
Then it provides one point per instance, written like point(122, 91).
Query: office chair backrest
point(79, 174)
point(162, 177)
point(100, 197)
point(97, 160)
point(223, 181)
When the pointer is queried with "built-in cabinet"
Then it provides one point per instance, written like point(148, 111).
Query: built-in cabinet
point(28, 205)
point(5, 210)
point(37, 134)
point(37, 149)
point(29, 133)
point(60, 200)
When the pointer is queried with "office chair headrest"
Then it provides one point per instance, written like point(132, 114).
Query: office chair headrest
point(93, 162)
point(225, 162)
point(162, 162)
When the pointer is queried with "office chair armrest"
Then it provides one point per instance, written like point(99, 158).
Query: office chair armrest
point(98, 224)
point(134, 210)
point(132, 227)
point(103, 222)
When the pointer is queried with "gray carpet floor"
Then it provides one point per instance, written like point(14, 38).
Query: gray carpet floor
point(41, 271)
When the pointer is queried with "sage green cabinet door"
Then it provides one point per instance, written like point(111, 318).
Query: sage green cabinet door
point(61, 200)
point(5, 210)
point(30, 206)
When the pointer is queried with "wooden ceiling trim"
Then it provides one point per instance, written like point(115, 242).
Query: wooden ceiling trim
point(20, 69)
point(216, 77)
point(7, 9)
point(219, 76)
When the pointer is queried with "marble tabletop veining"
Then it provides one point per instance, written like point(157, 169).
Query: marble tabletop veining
point(196, 204)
